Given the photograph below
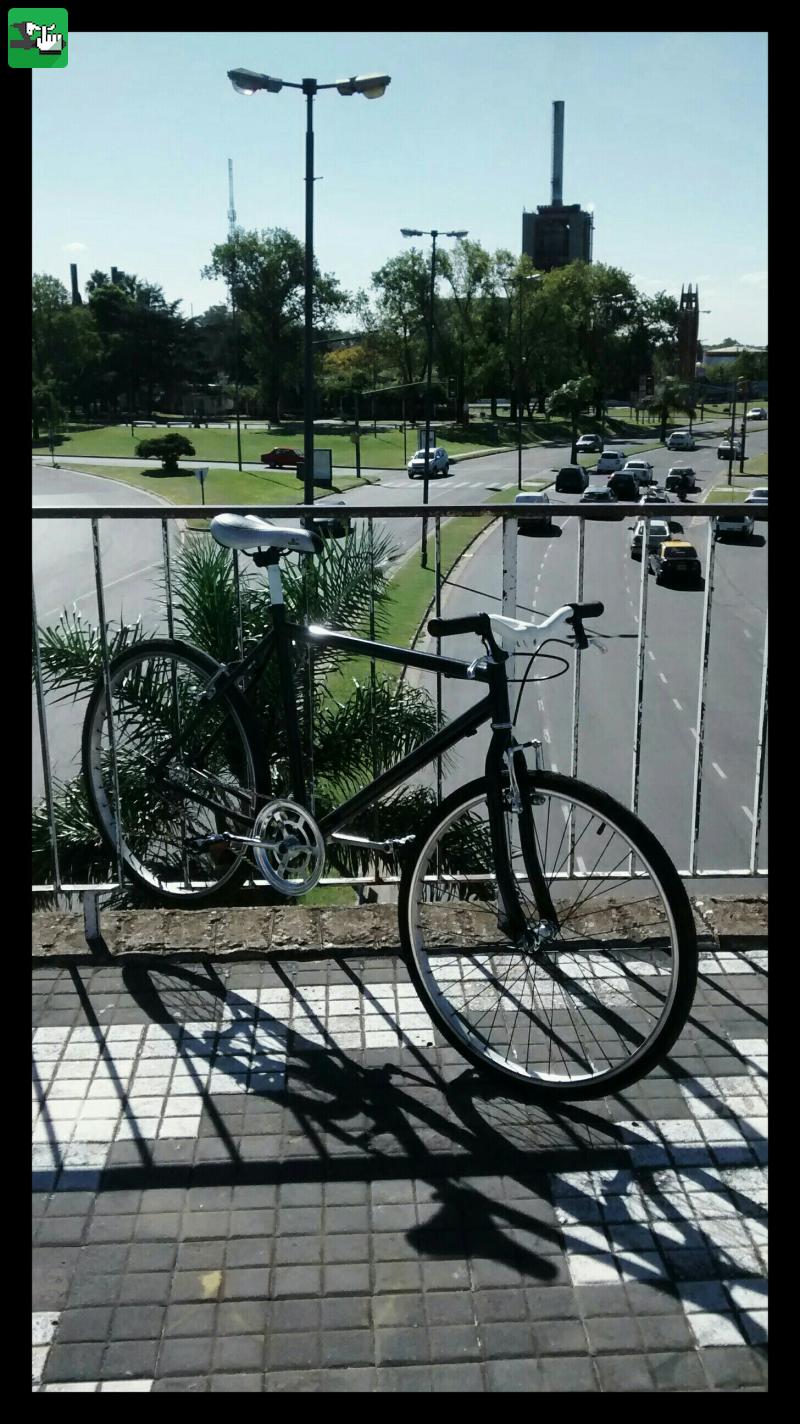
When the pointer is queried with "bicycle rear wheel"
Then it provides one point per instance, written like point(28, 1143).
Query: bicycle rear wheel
point(573, 1011)
point(182, 769)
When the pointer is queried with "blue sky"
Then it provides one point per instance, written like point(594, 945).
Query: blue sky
point(665, 138)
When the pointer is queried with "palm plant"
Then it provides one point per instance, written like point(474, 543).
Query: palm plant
point(353, 739)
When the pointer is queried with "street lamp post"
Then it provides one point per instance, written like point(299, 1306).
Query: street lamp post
point(519, 279)
point(432, 233)
point(372, 86)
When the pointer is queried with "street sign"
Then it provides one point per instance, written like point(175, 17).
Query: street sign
point(200, 474)
point(421, 437)
point(323, 467)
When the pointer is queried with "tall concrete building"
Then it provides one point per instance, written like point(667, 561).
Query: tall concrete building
point(559, 233)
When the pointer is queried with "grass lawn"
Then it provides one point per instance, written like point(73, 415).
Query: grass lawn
point(724, 495)
point(758, 465)
point(221, 486)
point(386, 448)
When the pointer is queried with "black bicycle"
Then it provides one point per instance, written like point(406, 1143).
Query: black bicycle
point(544, 927)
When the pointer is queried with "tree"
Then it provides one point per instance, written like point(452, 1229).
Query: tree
point(570, 399)
point(355, 737)
point(670, 394)
point(167, 448)
point(403, 298)
point(266, 275)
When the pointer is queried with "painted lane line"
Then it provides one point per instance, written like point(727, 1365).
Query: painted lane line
point(719, 771)
point(746, 633)
point(693, 731)
point(677, 704)
point(546, 735)
point(581, 864)
point(749, 814)
point(553, 766)
point(541, 704)
point(663, 679)
point(651, 655)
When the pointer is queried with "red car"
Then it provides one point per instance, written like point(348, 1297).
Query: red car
point(281, 457)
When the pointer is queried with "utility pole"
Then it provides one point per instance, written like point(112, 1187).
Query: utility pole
point(744, 428)
point(732, 436)
point(231, 237)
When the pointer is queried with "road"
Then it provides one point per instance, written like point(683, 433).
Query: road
point(63, 572)
point(546, 579)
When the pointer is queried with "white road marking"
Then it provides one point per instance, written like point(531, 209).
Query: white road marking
point(651, 655)
point(111, 584)
point(581, 864)
point(746, 633)
point(553, 766)
point(677, 704)
point(749, 814)
point(693, 731)
point(663, 679)
point(541, 704)
point(719, 771)
point(565, 813)
point(546, 735)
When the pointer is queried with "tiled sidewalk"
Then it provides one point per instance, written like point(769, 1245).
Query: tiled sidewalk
point(266, 1176)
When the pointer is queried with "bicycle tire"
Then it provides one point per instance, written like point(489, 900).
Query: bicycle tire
point(239, 777)
point(442, 969)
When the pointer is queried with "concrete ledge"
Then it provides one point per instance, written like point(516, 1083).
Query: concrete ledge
point(296, 931)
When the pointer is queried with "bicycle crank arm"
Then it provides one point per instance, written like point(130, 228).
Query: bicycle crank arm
point(225, 838)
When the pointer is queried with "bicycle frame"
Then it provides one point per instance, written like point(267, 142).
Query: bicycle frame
point(279, 639)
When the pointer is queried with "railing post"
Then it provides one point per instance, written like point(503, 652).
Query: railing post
point(101, 616)
point(576, 690)
point(760, 753)
point(701, 699)
point(508, 605)
point(637, 732)
point(44, 741)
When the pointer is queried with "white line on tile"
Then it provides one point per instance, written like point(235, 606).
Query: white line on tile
point(719, 771)
point(663, 679)
point(541, 704)
point(677, 704)
point(651, 655)
point(693, 731)
point(751, 818)
point(546, 735)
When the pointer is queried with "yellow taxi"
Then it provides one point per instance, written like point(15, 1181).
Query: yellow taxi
point(675, 559)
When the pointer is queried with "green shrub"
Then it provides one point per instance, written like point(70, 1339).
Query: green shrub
point(168, 448)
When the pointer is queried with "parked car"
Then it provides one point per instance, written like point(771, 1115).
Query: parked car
point(677, 560)
point(736, 523)
point(724, 450)
point(681, 440)
point(682, 479)
point(537, 510)
point(589, 443)
point(758, 496)
point(438, 463)
point(641, 470)
point(659, 531)
point(623, 485)
point(281, 458)
point(609, 461)
point(757, 413)
point(604, 498)
point(571, 479)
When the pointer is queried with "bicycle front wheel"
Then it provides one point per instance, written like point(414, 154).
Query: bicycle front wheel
point(180, 770)
point(574, 1009)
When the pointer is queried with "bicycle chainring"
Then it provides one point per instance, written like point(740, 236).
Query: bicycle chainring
point(291, 856)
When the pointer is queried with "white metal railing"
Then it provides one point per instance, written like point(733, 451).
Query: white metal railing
point(508, 515)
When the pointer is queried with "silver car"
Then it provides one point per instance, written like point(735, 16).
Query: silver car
point(438, 463)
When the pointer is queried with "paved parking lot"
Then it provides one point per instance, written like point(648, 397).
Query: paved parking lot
point(267, 1176)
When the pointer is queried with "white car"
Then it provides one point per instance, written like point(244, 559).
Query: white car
point(659, 533)
point(588, 444)
point(535, 513)
point(757, 413)
point(641, 470)
point(438, 463)
point(736, 522)
point(681, 440)
point(610, 461)
point(757, 496)
point(655, 495)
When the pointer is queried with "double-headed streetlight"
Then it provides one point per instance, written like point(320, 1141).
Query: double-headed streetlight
point(432, 233)
point(372, 86)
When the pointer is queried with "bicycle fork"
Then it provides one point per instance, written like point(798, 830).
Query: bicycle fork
point(505, 765)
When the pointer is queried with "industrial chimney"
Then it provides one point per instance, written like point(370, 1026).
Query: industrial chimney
point(558, 153)
point(77, 299)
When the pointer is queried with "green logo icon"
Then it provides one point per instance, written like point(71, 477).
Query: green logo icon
point(37, 39)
